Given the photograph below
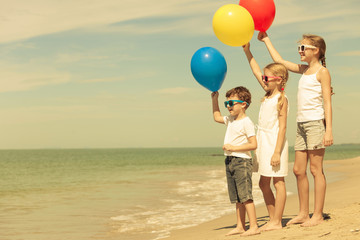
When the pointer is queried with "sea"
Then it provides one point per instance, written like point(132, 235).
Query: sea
point(127, 194)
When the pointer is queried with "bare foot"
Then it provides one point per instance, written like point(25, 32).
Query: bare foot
point(250, 232)
point(263, 227)
point(272, 226)
point(235, 231)
point(298, 219)
point(312, 222)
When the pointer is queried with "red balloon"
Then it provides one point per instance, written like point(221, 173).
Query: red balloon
point(262, 11)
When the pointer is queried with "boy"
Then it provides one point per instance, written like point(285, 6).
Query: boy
point(239, 140)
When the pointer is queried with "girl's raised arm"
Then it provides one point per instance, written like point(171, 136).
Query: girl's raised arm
point(254, 66)
point(293, 67)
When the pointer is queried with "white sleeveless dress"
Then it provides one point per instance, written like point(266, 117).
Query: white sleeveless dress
point(268, 129)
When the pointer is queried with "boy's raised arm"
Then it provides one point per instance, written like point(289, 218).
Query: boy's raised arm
point(215, 106)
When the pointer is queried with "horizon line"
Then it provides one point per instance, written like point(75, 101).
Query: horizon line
point(105, 148)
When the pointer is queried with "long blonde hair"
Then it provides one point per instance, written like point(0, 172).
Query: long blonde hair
point(279, 70)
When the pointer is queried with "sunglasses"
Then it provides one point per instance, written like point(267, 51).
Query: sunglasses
point(303, 47)
point(267, 78)
point(232, 102)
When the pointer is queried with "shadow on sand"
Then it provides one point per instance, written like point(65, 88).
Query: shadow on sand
point(263, 220)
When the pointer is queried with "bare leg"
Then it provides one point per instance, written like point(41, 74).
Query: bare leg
point(269, 199)
point(316, 168)
point(300, 165)
point(250, 210)
point(240, 220)
point(275, 221)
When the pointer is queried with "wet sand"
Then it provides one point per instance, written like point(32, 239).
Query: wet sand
point(342, 211)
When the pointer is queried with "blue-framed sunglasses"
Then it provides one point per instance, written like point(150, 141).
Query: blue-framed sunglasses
point(232, 102)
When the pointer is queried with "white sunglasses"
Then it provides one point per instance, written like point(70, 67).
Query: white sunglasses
point(303, 47)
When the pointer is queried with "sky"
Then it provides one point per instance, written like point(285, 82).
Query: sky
point(116, 74)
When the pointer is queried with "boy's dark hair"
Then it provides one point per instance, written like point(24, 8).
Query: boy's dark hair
point(242, 93)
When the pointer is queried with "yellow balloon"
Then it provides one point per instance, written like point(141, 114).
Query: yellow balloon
point(233, 25)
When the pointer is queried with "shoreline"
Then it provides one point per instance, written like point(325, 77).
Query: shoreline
point(342, 206)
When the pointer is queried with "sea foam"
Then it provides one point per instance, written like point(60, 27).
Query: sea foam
point(187, 203)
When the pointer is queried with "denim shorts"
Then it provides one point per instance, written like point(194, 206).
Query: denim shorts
point(238, 175)
point(309, 135)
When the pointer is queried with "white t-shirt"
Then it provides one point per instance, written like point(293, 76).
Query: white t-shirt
point(237, 133)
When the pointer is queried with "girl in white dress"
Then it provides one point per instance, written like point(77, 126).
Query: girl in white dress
point(272, 151)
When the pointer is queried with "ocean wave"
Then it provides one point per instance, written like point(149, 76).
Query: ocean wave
point(187, 203)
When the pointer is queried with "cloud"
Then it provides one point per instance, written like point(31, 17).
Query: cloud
point(290, 12)
point(72, 58)
point(17, 80)
point(346, 71)
point(26, 77)
point(172, 91)
point(41, 114)
point(107, 79)
point(27, 19)
point(334, 19)
point(135, 76)
point(349, 54)
point(189, 25)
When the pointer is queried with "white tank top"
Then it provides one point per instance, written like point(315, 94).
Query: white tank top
point(309, 99)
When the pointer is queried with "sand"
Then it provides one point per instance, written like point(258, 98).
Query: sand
point(342, 208)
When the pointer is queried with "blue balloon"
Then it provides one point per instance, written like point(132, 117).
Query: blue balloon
point(208, 66)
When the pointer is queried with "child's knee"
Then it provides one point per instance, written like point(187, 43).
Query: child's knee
point(264, 185)
point(279, 184)
point(249, 201)
point(315, 170)
point(299, 171)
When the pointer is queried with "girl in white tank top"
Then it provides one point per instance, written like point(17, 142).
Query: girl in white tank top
point(314, 121)
point(309, 98)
